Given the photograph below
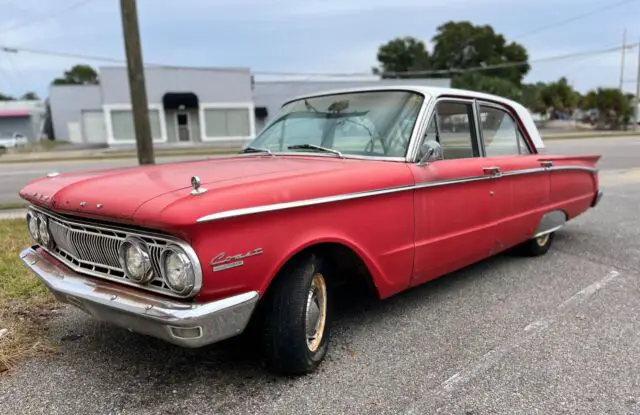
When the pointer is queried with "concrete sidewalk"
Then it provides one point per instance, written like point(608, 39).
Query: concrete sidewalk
point(222, 149)
point(115, 153)
point(13, 214)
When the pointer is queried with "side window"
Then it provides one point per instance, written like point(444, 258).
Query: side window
point(456, 129)
point(524, 148)
point(500, 133)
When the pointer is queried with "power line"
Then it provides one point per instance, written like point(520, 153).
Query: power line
point(574, 18)
point(52, 15)
point(512, 64)
point(13, 49)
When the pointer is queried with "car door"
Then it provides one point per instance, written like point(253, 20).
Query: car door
point(456, 205)
point(522, 174)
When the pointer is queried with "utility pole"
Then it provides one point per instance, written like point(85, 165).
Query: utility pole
point(137, 89)
point(624, 49)
point(637, 100)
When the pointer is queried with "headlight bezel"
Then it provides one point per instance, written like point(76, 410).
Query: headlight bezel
point(43, 221)
point(187, 262)
point(137, 243)
point(32, 217)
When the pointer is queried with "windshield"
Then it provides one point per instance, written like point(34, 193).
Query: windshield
point(373, 123)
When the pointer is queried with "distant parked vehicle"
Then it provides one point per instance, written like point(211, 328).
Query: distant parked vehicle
point(11, 140)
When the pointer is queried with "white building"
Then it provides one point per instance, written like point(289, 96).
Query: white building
point(22, 117)
point(186, 105)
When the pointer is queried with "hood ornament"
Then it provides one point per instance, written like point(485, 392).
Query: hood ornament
point(195, 185)
point(53, 174)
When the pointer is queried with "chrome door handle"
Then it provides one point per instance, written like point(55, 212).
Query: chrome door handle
point(493, 171)
point(546, 163)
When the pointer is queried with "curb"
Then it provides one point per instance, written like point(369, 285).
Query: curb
point(13, 214)
point(113, 156)
point(577, 136)
point(49, 157)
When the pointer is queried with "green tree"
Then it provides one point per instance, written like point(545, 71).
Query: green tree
point(4, 97)
point(490, 85)
point(531, 97)
point(614, 107)
point(30, 96)
point(402, 54)
point(462, 45)
point(560, 96)
point(78, 74)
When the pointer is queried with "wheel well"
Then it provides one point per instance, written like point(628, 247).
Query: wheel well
point(345, 265)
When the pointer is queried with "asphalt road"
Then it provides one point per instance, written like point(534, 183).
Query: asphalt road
point(510, 335)
point(618, 152)
point(14, 176)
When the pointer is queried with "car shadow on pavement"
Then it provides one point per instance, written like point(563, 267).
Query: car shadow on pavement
point(236, 363)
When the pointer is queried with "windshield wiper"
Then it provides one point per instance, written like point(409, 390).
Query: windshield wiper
point(315, 147)
point(256, 150)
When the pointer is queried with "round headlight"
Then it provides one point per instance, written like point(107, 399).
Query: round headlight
point(32, 224)
point(177, 270)
point(43, 232)
point(135, 260)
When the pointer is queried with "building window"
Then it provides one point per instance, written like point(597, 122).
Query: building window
point(123, 128)
point(227, 122)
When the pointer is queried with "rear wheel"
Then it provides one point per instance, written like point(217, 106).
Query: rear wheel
point(537, 246)
point(297, 321)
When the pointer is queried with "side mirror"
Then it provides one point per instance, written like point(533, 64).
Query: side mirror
point(431, 150)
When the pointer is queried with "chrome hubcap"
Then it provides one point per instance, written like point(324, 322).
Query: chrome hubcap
point(316, 313)
point(542, 240)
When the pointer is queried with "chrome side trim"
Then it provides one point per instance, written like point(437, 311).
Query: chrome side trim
point(551, 230)
point(597, 198)
point(550, 222)
point(186, 324)
point(524, 171)
point(358, 195)
point(94, 230)
point(300, 203)
point(453, 181)
point(581, 168)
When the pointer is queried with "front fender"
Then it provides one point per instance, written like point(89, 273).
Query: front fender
point(259, 245)
point(334, 236)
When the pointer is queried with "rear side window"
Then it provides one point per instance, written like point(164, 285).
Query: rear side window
point(500, 133)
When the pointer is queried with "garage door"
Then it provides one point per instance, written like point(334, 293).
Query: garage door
point(93, 127)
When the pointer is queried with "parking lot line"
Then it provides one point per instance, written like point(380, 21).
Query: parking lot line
point(493, 357)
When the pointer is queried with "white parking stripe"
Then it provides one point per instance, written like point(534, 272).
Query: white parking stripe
point(493, 357)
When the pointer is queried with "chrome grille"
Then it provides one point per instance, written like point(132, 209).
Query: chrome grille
point(92, 249)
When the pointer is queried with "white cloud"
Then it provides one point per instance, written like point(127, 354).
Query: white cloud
point(302, 36)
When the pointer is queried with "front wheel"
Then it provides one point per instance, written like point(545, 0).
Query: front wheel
point(298, 318)
point(537, 246)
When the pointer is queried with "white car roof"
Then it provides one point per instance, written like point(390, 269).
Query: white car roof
point(435, 92)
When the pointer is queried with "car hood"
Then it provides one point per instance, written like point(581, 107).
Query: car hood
point(161, 194)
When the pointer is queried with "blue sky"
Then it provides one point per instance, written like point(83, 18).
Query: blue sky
point(306, 36)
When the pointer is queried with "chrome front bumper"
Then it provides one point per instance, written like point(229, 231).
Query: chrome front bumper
point(181, 323)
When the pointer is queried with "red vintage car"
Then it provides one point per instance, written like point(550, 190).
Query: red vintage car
point(391, 187)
